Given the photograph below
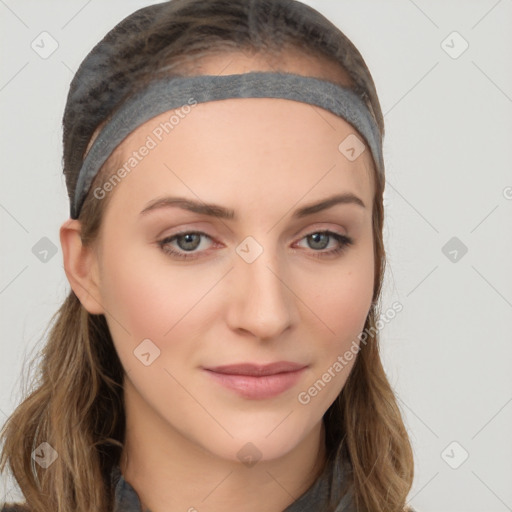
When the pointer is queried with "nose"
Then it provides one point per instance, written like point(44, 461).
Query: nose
point(262, 301)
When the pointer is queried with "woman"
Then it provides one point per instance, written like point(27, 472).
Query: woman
point(218, 349)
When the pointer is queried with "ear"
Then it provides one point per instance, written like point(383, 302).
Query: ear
point(81, 267)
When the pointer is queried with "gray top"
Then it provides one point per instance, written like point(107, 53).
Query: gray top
point(315, 498)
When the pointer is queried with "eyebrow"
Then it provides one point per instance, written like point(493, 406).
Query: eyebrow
point(215, 210)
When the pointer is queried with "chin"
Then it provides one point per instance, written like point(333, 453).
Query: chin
point(257, 442)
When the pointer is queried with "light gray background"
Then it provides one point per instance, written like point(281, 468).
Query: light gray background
point(448, 152)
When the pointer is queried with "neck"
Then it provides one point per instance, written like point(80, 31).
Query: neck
point(171, 474)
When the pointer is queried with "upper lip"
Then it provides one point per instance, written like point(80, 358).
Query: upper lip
point(257, 369)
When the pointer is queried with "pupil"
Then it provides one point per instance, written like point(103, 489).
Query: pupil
point(316, 240)
point(189, 240)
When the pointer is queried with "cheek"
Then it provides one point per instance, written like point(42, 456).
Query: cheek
point(165, 303)
point(344, 302)
point(341, 304)
point(140, 300)
point(343, 296)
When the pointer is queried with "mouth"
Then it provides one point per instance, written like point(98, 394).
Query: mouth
point(257, 382)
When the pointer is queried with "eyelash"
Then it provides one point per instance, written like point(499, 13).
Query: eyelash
point(344, 242)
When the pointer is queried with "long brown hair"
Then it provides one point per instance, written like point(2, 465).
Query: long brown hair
point(76, 404)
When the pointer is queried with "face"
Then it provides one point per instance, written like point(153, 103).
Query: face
point(255, 280)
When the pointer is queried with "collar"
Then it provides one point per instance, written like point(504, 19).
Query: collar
point(315, 498)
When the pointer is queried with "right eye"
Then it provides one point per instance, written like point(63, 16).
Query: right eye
point(187, 241)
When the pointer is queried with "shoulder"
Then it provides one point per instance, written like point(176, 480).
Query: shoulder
point(14, 507)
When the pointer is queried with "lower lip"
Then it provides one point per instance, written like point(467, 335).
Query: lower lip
point(258, 388)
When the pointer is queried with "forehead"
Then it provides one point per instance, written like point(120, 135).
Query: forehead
point(243, 153)
point(254, 149)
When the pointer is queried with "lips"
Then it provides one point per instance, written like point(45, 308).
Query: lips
point(255, 381)
point(257, 370)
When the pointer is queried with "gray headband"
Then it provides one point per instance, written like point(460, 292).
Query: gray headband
point(174, 92)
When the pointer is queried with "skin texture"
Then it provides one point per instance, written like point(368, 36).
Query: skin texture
point(263, 158)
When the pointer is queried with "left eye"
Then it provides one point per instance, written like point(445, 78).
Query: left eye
point(320, 240)
point(189, 241)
